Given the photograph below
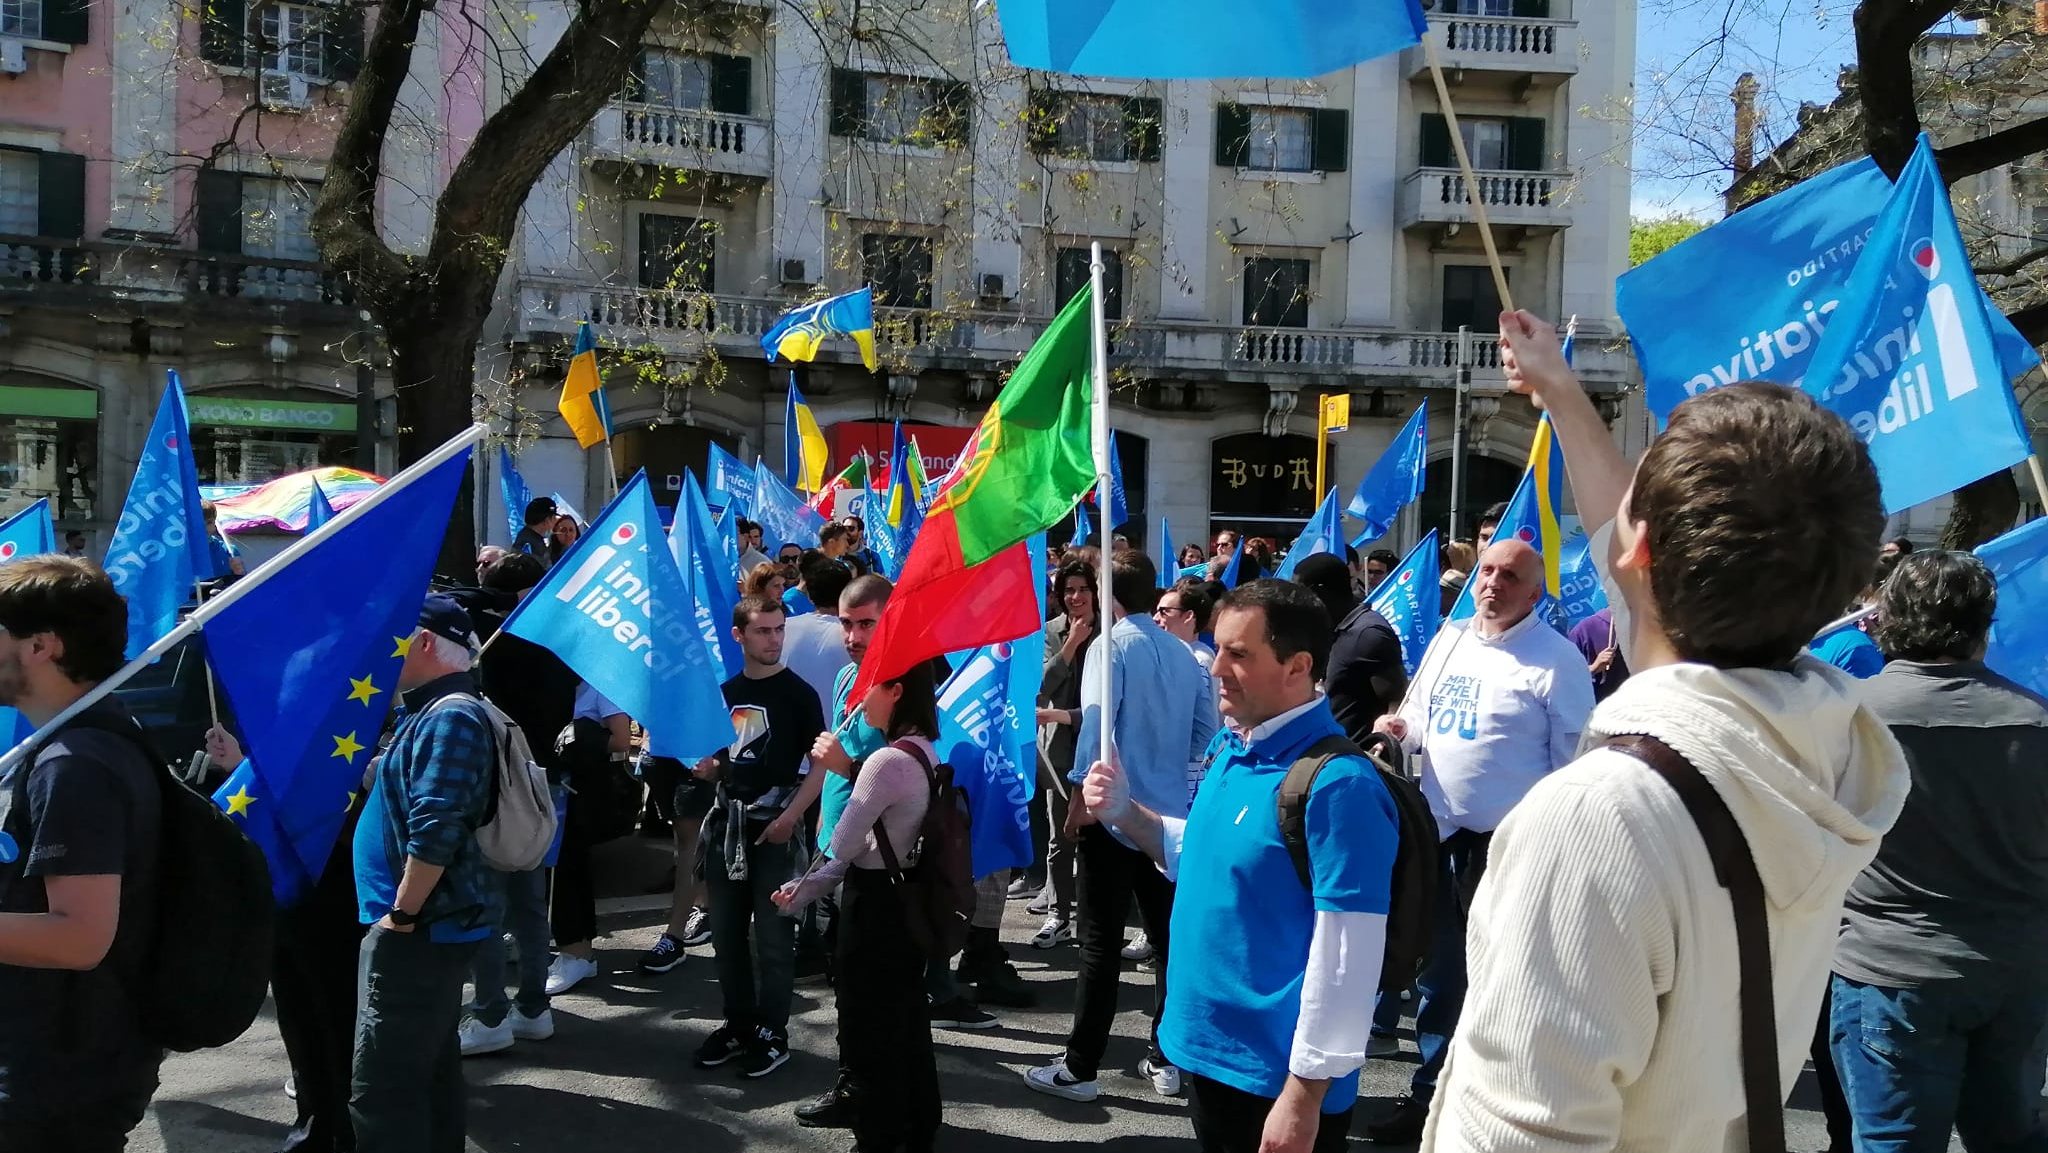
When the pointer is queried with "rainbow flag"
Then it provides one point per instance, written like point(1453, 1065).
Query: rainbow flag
point(286, 503)
point(583, 405)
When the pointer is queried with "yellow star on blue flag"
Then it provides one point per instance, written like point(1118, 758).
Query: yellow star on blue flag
point(362, 689)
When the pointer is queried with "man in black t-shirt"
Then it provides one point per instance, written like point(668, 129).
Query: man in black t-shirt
point(752, 843)
point(79, 830)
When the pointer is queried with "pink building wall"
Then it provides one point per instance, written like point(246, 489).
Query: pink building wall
point(72, 93)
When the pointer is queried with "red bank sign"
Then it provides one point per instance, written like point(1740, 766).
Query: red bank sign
point(940, 444)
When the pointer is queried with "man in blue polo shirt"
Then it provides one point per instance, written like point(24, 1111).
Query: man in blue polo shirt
point(1272, 1027)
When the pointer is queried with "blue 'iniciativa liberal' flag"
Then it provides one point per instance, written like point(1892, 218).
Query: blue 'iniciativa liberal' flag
point(1910, 358)
point(693, 541)
point(1395, 480)
point(617, 610)
point(29, 532)
point(988, 733)
point(2019, 645)
point(783, 515)
point(728, 482)
point(1410, 600)
point(512, 489)
point(159, 551)
point(1580, 593)
point(1205, 39)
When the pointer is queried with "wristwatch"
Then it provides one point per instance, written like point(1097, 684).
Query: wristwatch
point(403, 919)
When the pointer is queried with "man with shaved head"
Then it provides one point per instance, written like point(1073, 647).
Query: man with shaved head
point(1498, 703)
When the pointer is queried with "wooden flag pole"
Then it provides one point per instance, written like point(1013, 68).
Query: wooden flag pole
point(2040, 481)
point(1443, 96)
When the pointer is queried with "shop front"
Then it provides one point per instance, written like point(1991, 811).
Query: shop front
point(257, 438)
point(49, 447)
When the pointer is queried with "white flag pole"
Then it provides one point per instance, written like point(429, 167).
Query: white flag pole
point(241, 588)
point(1104, 601)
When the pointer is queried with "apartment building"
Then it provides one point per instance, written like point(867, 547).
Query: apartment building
point(1265, 242)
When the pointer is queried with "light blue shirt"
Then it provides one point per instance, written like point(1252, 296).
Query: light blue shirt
point(1851, 650)
point(1165, 712)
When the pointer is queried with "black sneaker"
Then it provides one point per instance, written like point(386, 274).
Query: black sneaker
point(1403, 1126)
point(764, 1054)
point(960, 1013)
point(724, 1043)
point(999, 985)
point(666, 954)
point(697, 929)
point(832, 1109)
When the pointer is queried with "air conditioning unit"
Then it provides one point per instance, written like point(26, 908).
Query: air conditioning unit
point(282, 90)
point(992, 286)
point(793, 272)
point(13, 56)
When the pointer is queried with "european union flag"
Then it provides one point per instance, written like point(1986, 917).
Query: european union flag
point(1322, 533)
point(512, 487)
point(1410, 601)
point(29, 532)
point(987, 732)
point(1911, 359)
point(318, 510)
point(2019, 645)
point(713, 584)
point(800, 332)
point(1205, 39)
point(159, 553)
point(618, 611)
point(729, 482)
point(309, 660)
point(1395, 480)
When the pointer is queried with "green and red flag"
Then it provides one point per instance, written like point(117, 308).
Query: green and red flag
point(967, 581)
point(853, 477)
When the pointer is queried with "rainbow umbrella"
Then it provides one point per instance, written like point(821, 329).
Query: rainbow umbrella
point(286, 503)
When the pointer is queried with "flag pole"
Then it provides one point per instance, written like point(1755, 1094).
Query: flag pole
point(212, 695)
point(1322, 437)
point(1104, 599)
point(241, 588)
point(2040, 481)
point(1478, 202)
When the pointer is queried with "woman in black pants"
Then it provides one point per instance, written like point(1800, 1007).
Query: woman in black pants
point(885, 1034)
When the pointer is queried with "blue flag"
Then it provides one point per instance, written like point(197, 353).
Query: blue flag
point(2019, 645)
point(1410, 600)
point(713, 583)
point(618, 611)
point(512, 488)
point(1081, 529)
point(783, 515)
point(29, 532)
point(988, 733)
point(1167, 561)
point(1580, 593)
point(160, 550)
point(728, 482)
point(309, 660)
point(1229, 575)
point(1322, 533)
point(1205, 39)
point(727, 522)
point(318, 510)
point(1119, 507)
point(563, 506)
point(1394, 481)
point(1910, 358)
point(1523, 520)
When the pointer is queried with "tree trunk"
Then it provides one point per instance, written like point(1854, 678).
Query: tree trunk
point(433, 339)
point(1982, 510)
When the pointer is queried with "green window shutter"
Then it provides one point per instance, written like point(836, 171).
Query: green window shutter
point(342, 47)
point(1233, 135)
point(849, 102)
point(221, 34)
point(60, 195)
point(1436, 141)
point(1537, 9)
point(1330, 140)
point(65, 21)
point(219, 211)
point(1526, 152)
point(1143, 118)
point(732, 85)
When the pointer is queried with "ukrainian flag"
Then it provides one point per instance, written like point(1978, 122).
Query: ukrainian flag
point(803, 443)
point(1546, 472)
point(583, 405)
point(801, 332)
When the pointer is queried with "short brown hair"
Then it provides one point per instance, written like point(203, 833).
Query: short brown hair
point(744, 611)
point(73, 598)
point(872, 589)
point(1134, 582)
point(1763, 512)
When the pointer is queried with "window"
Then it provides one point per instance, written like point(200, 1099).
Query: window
point(2038, 215)
point(1478, 7)
point(1510, 143)
point(23, 18)
point(1260, 138)
point(899, 268)
point(290, 38)
point(1470, 299)
point(1070, 275)
point(18, 199)
point(277, 219)
point(1276, 292)
point(42, 193)
point(899, 109)
point(677, 253)
point(227, 455)
point(316, 41)
point(670, 80)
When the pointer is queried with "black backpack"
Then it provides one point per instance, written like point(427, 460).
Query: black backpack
point(1411, 916)
point(206, 969)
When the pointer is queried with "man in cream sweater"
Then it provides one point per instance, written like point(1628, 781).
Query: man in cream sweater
point(1602, 1010)
point(1499, 701)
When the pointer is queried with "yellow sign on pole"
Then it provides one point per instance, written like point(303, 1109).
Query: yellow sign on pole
point(1337, 412)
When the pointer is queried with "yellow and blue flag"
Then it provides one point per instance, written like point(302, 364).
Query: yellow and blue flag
point(804, 454)
point(802, 331)
point(309, 660)
point(583, 404)
point(1531, 517)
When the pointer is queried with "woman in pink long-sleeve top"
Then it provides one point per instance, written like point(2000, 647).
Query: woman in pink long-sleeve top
point(885, 1033)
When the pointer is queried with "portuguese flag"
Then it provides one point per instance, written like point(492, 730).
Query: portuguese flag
point(967, 581)
point(854, 477)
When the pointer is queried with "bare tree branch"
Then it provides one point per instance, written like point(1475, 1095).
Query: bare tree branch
point(2002, 147)
point(345, 216)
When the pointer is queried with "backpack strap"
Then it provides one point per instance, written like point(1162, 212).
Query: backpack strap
point(1735, 869)
point(1293, 798)
point(931, 776)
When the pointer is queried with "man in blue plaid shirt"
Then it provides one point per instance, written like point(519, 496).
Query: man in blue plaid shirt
point(426, 893)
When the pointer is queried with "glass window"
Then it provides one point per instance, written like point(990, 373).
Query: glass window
point(900, 268)
point(675, 79)
point(1470, 299)
point(1486, 142)
point(1276, 292)
point(2039, 217)
point(1282, 140)
point(896, 107)
point(55, 460)
point(18, 201)
point(228, 455)
point(289, 40)
point(677, 252)
point(23, 18)
point(277, 219)
point(1094, 127)
point(1070, 275)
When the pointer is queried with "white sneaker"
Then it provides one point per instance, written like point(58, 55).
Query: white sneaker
point(1054, 1081)
point(1056, 931)
point(538, 1027)
point(479, 1038)
point(1139, 949)
point(568, 971)
point(1165, 1077)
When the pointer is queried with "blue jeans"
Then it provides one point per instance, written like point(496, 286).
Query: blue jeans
point(1441, 987)
point(526, 918)
point(1957, 1054)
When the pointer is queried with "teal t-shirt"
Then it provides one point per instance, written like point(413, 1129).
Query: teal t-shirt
point(860, 739)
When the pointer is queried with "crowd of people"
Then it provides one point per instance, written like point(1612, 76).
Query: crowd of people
point(1569, 920)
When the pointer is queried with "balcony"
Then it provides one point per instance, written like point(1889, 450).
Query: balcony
point(1527, 200)
point(42, 267)
point(681, 138)
point(1516, 50)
